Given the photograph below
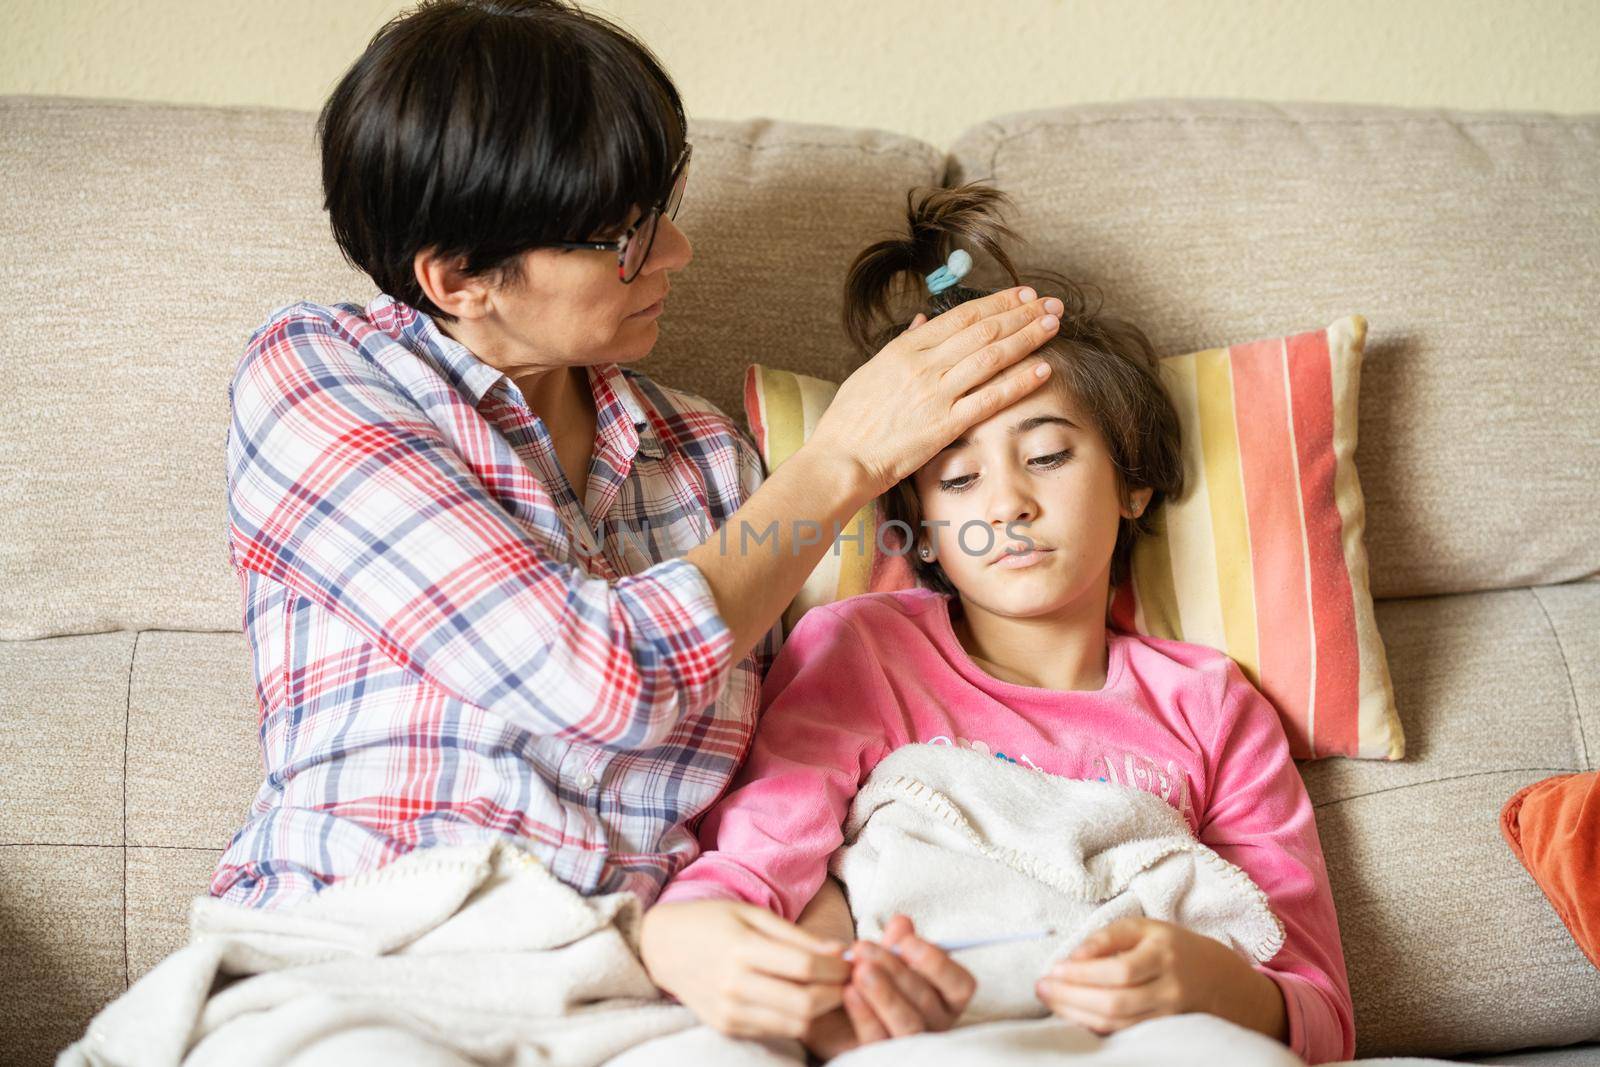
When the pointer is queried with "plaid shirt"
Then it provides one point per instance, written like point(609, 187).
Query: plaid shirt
point(438, 658)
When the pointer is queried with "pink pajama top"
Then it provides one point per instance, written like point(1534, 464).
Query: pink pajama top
point(859, 678)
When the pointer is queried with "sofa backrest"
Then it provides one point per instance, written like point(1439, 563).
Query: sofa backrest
point(147, 242)
point(1471, 243)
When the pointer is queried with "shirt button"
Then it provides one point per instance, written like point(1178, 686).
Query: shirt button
point(585, 780)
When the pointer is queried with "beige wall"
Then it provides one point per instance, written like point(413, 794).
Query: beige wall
point(926, 67)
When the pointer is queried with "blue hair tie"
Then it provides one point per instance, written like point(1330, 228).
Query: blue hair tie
point(954, 269)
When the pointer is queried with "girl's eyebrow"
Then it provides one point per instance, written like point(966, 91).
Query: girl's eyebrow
point(1020, 428)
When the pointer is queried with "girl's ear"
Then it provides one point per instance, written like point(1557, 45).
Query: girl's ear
point(1138, 501)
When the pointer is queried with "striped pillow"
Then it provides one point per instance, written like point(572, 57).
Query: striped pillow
point(1262, 559)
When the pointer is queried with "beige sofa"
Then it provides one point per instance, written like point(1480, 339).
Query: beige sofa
point(142, 243)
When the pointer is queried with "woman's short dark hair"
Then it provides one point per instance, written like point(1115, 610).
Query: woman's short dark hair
point(1106, 364)
point(485, 128)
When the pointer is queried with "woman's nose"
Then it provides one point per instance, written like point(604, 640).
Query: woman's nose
point(671, 250)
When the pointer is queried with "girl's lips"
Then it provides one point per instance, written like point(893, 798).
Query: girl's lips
point(1016, 561)
point(652, 311)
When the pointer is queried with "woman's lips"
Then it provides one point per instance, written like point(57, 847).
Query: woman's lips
point(652, 311)
point(1017, 560)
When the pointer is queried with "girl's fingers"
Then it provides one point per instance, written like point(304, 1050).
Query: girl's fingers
point(953, 982)
point(793, 1001)
point(1133, 967)
point(785, 951)
point(898, 1015)
point(958, 318)
point(915, 990)
point(1119, 1004)
point(1005, 389)
point(897, 929)
point(995, 343)
point(759, 1021)
point(776, 926)
point(866, 1025)
point(1112, 938)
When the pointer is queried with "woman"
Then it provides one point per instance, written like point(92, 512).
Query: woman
point(479, 592)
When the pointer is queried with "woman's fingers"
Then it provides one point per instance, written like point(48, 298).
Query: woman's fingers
point(943, 327)
point(991, 345)
point(1005, 389)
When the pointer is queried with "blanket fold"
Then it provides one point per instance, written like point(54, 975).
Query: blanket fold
point(970, 846)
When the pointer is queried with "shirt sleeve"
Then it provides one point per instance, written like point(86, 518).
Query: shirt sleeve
point(767, 842)
point(341, 489)
point(1259, 818)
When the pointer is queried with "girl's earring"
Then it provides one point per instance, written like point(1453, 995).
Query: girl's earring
point(925, 553)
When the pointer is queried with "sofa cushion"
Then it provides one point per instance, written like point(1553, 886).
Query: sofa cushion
point(1466, 239)
point(156, 238)
point(63, 719)
point(1437, 918)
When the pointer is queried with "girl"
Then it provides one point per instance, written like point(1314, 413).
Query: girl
point(1021, 526)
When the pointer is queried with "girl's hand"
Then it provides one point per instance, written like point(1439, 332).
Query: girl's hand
point(1137, 969)
point(914, 988)
point(927, 386)
point(742, 969)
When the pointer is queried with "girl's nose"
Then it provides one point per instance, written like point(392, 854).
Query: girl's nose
point(1011, 502)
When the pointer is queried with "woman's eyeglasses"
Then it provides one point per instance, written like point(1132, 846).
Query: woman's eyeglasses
point(633, 247)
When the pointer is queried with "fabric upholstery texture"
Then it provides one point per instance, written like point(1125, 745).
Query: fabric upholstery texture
point(153, 238)
point(1467, 239)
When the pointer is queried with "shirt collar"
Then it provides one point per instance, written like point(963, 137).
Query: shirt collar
point(620, 417)
point(471, 376)
point(621, 421)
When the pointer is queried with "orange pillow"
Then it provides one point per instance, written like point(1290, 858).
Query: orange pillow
point(1553, 827)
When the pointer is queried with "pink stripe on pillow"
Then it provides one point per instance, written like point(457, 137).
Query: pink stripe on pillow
point(1334, 721)
point(1283, 607)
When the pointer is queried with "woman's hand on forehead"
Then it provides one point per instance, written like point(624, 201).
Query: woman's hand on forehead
point(927, 386)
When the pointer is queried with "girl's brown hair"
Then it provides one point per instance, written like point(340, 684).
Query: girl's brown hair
point(1106, 364)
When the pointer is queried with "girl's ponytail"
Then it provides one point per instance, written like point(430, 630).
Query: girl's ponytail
point(936, 219)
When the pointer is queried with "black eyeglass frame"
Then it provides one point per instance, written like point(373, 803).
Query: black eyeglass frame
point(667, 205)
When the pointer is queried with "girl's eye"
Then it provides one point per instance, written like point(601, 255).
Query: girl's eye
point(1054, 459)
point(956, 485)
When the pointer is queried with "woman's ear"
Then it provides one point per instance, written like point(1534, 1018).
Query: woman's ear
point(444, 280)
point(1138, 501)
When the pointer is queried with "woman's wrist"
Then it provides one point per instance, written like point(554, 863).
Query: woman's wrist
point(821, 464)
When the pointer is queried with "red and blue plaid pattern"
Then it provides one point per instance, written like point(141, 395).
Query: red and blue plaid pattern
point(440, 657)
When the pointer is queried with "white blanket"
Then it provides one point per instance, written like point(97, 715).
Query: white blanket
point(449, 955)
point(477, 955)
point(969, 845)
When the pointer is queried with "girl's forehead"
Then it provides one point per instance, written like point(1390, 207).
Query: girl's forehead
point(1050, 401)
